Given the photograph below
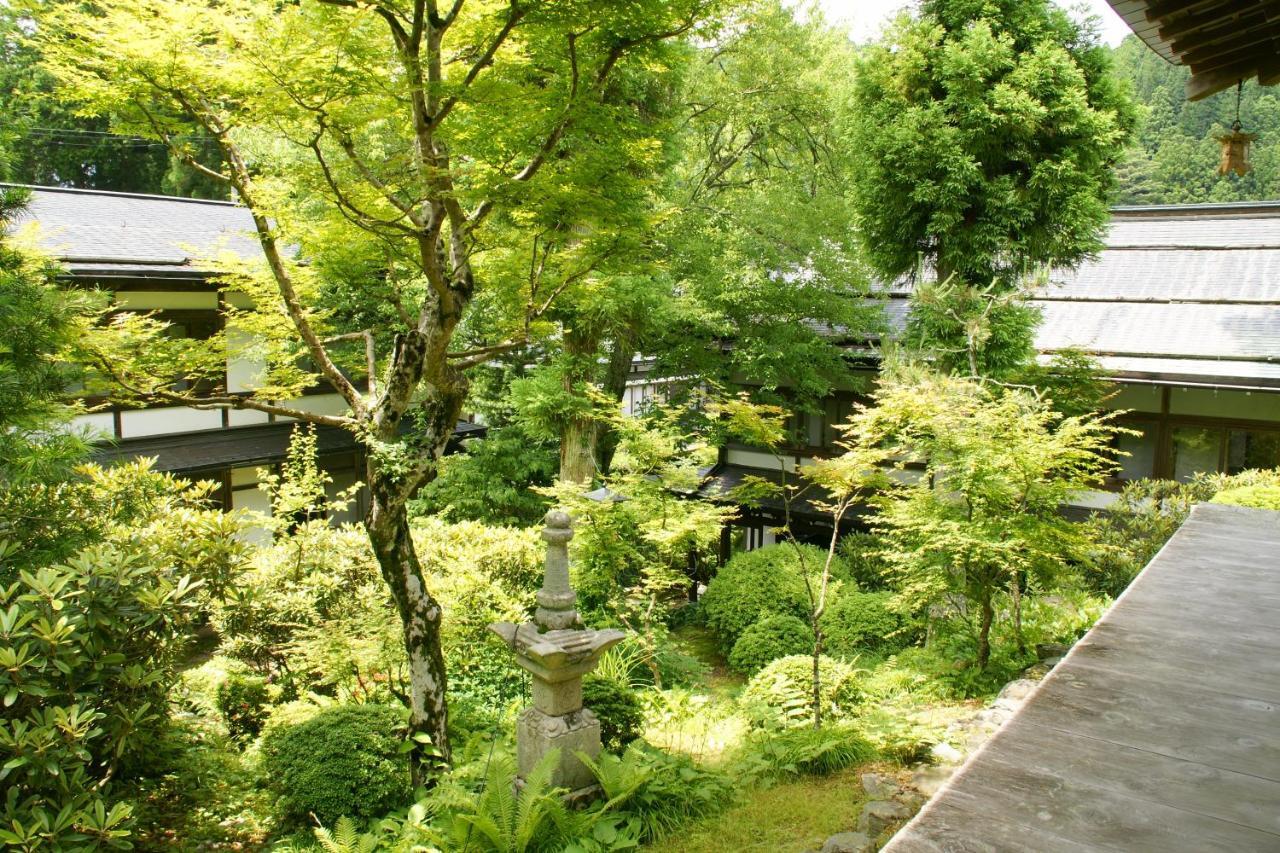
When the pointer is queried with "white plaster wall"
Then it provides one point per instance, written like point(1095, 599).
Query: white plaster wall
point(149, 300)
point(756, 459)
point(246, 417)
point(1257, 406)
point(134, 423)
point(323, 404)
point(99, 424)
point(243, 374)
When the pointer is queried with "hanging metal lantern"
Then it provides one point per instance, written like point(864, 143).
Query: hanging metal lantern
point(1235, 145)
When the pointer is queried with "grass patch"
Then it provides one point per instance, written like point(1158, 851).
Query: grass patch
point(787, 818)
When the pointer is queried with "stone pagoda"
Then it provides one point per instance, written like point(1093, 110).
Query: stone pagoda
point(557, 651)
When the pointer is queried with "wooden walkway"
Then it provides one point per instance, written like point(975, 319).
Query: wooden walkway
point(1160, 731)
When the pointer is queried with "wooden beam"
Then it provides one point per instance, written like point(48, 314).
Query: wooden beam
point(1222, 37)
point(1179, 27)
point(1238, 49)
point(1170, 8)
point(1201, 86)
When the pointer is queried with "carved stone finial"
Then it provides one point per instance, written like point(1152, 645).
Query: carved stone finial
point(556, 599)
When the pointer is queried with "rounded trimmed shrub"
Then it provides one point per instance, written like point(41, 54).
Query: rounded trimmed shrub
point(782, 692)
point(775, 636)
point(758, 583)
point(858, 622)
point(618, 709)
point(244, 701)
point(343, 761)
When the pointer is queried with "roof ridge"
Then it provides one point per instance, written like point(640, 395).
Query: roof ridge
point(117, 194)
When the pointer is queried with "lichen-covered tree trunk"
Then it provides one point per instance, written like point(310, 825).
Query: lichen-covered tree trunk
point(420, 617)
point(387, 524)
point(579, 435)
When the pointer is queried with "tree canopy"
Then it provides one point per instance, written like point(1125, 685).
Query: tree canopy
point(987, 132)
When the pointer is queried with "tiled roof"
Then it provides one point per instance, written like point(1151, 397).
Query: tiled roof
point(1181, 293)
point(99, 233)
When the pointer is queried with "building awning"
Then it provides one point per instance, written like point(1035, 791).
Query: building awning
point(1221, 41)
point(211, 451)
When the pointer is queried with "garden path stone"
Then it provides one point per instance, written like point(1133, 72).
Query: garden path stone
point(849, 842)
point(878, 787)
point(879, 815)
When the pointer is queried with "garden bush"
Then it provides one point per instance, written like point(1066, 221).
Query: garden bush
point(344, 760)
point(757, 583)
point(858, 622)
point(862, 552)
point(618, 708)
point(773, 637)
point(781, 694)
point(88, 651)
point(1258, 497)
point(804, 750)
point(243, 700)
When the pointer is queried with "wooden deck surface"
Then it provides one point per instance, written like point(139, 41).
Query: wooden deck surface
point(1160, 731)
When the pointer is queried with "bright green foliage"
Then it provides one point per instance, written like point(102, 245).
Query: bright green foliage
point(1257, 489)
point(492, 481)
point(988, 132)
point(1258, 497)
point(311, 611)
point(659, 791)
point(243, 700)
point(774, 636)
point(1145, 514)
point(88, 652)
point(781, 694)
point(861, 622)
point(758, 241)
point(507, 820)
point(618, 708)
point(758, 583)
point(345, 760)
point(38, 324)
point(804, 751)
point(984, 516)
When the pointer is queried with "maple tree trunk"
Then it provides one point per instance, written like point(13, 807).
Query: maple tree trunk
point(984, 632)
point(579, 436)
point(420, 616)
point(387, 525)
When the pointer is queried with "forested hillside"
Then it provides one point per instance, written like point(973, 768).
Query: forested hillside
point(1175, 156)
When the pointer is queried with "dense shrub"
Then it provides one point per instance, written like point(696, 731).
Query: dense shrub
point(858, 622)
point(782, 692)
point(88, 652)
point(658, 792)
point(617, 707)
point(757, 583)
point(314, 614)
point(344, 760)
point(1258, 496)
point(773, 637)
point(804, 750)
point(244, 701)
point(490, 482)
point(862, 552)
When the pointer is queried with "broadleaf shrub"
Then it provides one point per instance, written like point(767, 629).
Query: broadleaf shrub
point(343, 761)
point(758, 583)
point(804, 750)
point(858, 622)
point(781, 694)
point(775, 636)
point(618, 708)
point(244, 701)
point(88, 651)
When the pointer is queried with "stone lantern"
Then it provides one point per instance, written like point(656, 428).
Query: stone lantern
point(557, 651)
